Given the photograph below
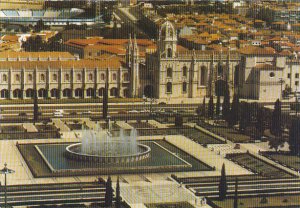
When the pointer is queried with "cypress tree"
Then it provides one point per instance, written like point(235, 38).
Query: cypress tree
point(35, 107)
point(235, 203)
point(108, 192)
point(105, 99)
point(294, 137)
point(259, 125)
point(204, 108)
point(276, 119)
point(226, 103)
point(234, 112)
point(211, 107)
point(245, 117)
point(223, 184)
point(118, 197)
point(218, 105)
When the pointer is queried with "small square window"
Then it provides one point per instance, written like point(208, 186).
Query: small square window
point(297, 75)
point(297, 83)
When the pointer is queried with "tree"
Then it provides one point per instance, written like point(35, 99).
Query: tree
point(218, 105)
point(35, 107)
point(259, 125)
point(235, 203)
point(276, 143)
point(178, 120)
point(40, 26)
point(276, 119)
point(118, 197)
point(226, 103)
point(245, 117)
point(294, 137)
point(108, 192)
point(223, 184)
point(234, 112)
point(34, 43)
point(105, 102)
point(204, 108)
point(211, 107)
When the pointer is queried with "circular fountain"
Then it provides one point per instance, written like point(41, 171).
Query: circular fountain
point(100, 146)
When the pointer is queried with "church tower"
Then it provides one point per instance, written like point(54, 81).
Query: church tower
point(128, 52)
point(132, 56)
point(167, 41)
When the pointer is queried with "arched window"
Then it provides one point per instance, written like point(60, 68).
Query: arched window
point(114, 92)
point(17, 78)
point(184, 71)
point(54, 93)
point(67, 77)
point(42, 93)
point(90, 92)
point(125, 77)
point(78, 77)
point(114, 76)
point(169, 72)
point(90, 77)
point(169, 87)
point(30, 93)
point(4, 78)
point(42, 77)
point(78, 92)
point(29, 77)
point(102, 76)
point(54, 77)
point(101, 92)
point(169, 53)
point(17, 93)
point(184, 87)
point(4, 93)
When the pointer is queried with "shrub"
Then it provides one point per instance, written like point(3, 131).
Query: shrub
point(264, 200)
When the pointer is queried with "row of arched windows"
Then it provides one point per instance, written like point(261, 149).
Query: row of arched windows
point(169, 87)
point(66, 77)
point(170, 72)
point(90, 92)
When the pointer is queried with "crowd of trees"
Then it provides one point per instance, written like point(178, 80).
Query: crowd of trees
point(36, 43)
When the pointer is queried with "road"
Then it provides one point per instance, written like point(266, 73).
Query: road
point(128, 19)
point(25, 111)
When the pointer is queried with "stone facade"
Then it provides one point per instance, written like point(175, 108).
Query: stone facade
point(190, 74)
point(63, 79)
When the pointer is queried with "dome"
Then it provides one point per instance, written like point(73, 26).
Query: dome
point(167, 31)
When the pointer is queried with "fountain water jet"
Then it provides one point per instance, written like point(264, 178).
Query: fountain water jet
point(100, 146)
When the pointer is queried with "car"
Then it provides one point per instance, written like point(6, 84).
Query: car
point(162, 103)
point(58, 115)
point(86, 112)
point(122, 112)
point(133, 111)
point(22, 114)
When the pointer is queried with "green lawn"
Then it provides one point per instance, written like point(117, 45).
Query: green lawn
point(170, 205)
point(287, 159)
point(258, 166)
point(255, 202)
point(228, 133)
point(191, 133)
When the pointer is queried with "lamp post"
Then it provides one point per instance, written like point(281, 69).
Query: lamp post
point(6, 171)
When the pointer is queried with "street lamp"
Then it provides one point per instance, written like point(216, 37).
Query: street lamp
point(6, 171)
